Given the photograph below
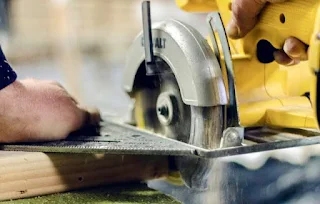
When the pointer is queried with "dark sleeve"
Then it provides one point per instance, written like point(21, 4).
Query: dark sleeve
point(7, 75)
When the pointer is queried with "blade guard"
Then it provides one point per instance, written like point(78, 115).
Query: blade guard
point(189, 56)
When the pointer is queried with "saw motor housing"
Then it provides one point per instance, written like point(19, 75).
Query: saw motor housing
point(269, 94)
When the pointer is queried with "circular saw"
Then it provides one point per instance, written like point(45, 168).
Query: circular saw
point(185, 90)
point(194, 102)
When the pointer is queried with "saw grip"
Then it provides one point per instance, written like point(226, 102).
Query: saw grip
point(277, 22)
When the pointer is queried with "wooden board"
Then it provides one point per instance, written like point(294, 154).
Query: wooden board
point(135, 193)
point(25, 174)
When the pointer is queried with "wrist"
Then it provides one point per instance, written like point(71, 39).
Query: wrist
point(10, 95)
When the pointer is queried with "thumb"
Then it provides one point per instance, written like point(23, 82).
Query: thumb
point(245, 16)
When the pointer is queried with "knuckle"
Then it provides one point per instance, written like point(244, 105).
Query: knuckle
point(294, 48)
point(52, 82)
point(56, 83)
point(244, 15)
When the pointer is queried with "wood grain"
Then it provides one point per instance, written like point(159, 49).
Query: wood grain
point(25, 174)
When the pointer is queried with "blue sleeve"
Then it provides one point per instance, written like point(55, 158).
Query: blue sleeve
point(7, 75)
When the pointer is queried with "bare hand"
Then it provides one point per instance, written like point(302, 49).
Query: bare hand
point(33, 110)
point(245, 15)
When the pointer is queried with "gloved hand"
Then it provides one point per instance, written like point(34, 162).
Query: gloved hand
point(33, 110)
point(245, 15)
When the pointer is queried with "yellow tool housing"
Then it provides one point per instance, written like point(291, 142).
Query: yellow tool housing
point(271, 94)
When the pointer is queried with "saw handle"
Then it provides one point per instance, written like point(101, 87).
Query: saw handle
point(293, 18)
point(278, 21)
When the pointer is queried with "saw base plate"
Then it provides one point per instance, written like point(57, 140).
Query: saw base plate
point(116, 138)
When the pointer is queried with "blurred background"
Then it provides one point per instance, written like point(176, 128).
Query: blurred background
point(83, 44)
point(80, 43)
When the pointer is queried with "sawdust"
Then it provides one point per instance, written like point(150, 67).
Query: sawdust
point(104, 195)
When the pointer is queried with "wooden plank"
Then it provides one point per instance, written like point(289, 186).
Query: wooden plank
point(32, 174)
point(130, 193)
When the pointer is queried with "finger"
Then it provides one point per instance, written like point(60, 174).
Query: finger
point(74, 100)
point(296, 49)
point(282, 58)
point(90, 116)
point(245, 16)
point(85, 117)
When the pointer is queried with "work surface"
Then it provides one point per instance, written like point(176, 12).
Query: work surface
point(126, 194)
